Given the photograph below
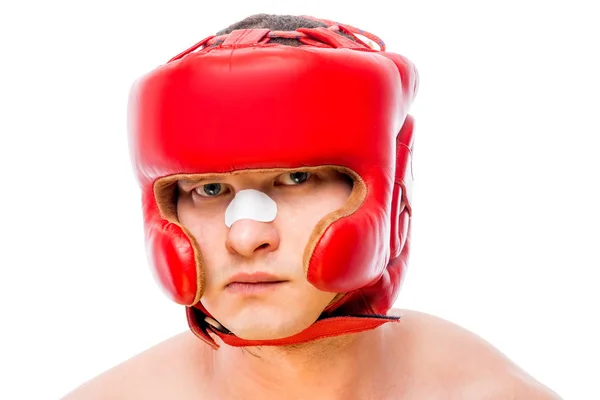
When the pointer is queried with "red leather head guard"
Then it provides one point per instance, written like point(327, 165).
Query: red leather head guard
point(237, 102)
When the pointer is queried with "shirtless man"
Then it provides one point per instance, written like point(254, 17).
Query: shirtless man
point(275, 164)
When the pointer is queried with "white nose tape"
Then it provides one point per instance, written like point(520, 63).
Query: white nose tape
point(250, 204)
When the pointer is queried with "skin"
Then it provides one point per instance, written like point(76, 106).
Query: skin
point(420, 357)
point(249, 246)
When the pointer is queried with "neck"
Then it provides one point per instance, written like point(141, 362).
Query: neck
point(339, 367)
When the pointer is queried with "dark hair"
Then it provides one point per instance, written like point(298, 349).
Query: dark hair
point(277, 23)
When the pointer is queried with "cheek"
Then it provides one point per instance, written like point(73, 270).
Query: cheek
point(206, 226)
point(331, 199)
point(299, 218)
point(341, 194)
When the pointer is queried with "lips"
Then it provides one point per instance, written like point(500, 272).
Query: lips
point(254, 278)
point(254, 284)
point(254, 289)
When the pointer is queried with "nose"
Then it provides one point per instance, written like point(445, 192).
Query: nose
point(248, 237)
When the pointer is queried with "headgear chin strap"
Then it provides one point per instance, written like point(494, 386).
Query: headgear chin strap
point(238, 102)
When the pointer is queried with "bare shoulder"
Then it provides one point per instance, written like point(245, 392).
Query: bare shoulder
point(462, 361)
point(171, 369)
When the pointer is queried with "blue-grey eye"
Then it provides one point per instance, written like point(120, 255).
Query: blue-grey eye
point(210, 189)
point(299, 177)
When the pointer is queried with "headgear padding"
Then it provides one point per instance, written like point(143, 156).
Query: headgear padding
point(240, 103)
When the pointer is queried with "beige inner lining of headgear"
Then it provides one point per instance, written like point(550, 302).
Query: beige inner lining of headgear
point(165, 192)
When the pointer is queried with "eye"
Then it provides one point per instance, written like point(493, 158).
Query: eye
point(294, 178)
point(209, 190)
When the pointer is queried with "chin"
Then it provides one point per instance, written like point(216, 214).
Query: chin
point(254, 324)
point(266, 332)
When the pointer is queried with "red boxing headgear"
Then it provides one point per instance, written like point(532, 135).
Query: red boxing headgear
point(237, 102)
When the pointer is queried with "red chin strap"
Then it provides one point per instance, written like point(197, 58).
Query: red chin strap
point(201, 324)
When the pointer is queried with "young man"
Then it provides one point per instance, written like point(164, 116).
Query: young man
point(275, 165)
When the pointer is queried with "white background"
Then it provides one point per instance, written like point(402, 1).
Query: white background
point(506, 218)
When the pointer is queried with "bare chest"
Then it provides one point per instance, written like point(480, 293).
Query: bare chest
point(390, 393)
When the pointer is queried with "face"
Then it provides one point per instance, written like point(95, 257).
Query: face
point(255, 284)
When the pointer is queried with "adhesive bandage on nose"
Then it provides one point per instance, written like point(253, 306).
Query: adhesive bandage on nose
point(250, 204)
